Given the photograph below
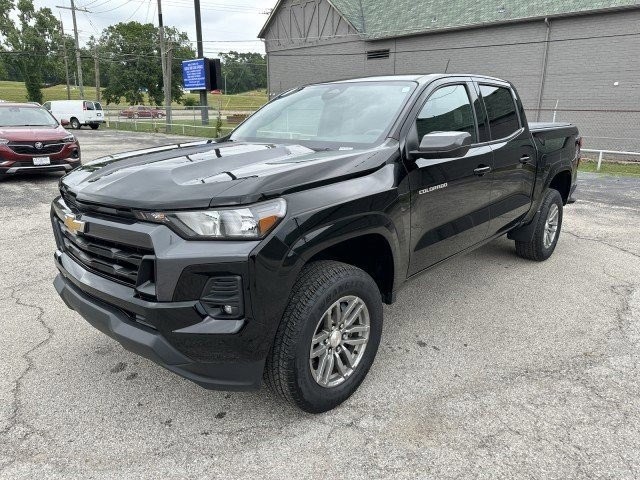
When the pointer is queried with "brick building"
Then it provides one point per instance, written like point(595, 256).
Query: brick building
point(576, 59)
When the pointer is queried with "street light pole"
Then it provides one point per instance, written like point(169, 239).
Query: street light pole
point(166, 69)
point(203, 93)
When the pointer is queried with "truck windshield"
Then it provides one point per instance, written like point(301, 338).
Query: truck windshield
point(26, 117)
point(341, 113)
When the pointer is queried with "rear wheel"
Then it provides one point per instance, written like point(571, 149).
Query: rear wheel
point(546, 231)
point(328, 337)
point(75, 123)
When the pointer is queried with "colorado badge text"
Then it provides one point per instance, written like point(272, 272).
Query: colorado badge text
point(431, 189)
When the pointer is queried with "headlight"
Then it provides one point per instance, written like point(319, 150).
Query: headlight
point(250, 222)
point(69, 139)
point(4, 141)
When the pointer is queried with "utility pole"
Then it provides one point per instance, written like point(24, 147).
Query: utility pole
point(166, 69)
point(66, 59)
point(96, 67)
point(75, 34)
point(203, 93)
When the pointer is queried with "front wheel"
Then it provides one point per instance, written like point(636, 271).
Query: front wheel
point(546, 231)
point(328, 337)
point(94, 126)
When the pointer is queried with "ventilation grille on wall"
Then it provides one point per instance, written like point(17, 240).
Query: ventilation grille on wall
point(377, 54)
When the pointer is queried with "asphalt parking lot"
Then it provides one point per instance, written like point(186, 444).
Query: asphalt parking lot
point(489, 367)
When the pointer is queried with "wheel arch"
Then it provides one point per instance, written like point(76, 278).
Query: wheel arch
point(561, 182)
point(374, 249)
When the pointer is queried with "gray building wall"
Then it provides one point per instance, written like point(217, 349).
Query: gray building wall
point(580, 73)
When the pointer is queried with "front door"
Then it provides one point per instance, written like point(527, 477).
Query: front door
point(450, 197)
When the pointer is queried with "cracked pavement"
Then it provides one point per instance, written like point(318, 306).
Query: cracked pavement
point(489, 367)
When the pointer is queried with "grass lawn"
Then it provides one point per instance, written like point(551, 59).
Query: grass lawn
point(180, 127)
point(15, 92)
point(610, 168)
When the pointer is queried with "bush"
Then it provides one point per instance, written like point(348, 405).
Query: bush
point(189, 102)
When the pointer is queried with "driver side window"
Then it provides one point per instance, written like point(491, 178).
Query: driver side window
point(448, 109)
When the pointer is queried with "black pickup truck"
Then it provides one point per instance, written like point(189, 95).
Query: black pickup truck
point(269, 253)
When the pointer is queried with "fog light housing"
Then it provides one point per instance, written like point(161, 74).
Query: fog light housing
point(222, 297)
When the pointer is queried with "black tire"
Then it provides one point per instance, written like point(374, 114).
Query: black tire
point(536, 249)
point(94, 126)
point(287, 369)
point(75, 123)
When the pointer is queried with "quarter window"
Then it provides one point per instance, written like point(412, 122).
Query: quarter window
point(447, 110)
point(501, 110)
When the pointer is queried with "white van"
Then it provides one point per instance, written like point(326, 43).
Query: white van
point(77, 112)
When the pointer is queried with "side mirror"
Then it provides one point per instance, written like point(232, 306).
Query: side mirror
point(64, 122)
point(443, 145)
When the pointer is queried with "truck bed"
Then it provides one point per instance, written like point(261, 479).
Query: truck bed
point(538, 128)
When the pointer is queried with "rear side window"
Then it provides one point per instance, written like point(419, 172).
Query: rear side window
point(501, 110)
point(447, 110)
point(88, 106)
point(47, 105)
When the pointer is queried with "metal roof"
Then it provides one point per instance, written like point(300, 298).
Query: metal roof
point(378, 19)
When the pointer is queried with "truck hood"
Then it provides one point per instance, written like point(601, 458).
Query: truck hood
point(203, 174)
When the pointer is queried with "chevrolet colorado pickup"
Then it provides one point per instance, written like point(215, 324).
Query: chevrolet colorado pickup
point(269, 253)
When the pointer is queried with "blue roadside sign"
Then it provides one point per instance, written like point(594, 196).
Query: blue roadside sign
point(194, 74)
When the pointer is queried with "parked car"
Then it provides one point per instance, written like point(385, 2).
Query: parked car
point(77, 112)
point(33, 141)
point(269, 253)
point(142, 111)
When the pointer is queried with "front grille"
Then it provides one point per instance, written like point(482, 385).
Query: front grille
point(110, 259)
point(82, 207)
point(30, 148)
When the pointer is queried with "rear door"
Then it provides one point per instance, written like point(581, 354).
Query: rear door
point(449, 197)
point(99, 112)
point(514, 155)
point(89, 111)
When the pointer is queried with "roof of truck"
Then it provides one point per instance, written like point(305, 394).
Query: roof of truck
point(424, 78)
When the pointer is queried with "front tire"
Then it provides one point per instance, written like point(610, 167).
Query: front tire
point(95, 126)
point(546, 231)
point(328, 337)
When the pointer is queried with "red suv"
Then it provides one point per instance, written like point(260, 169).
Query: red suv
point(141, 111)
point(32, 141)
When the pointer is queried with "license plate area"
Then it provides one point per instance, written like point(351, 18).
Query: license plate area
point(38, 161)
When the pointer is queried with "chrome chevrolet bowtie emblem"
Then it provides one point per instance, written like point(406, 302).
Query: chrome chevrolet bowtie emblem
point(74, 224)
point(38, 145)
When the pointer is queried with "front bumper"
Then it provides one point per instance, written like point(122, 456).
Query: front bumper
point(62, 167)
point(164, 320)
point(150, 344)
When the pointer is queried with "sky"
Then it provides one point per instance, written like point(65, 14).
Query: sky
point(226, 24)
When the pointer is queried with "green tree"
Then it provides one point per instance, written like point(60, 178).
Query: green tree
point(130, 56)
point(30, 43)
point(244, 71)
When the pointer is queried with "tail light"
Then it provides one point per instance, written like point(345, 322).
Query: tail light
point(578, 146)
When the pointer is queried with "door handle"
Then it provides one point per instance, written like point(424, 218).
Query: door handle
point(482, 170)
point(524, 159)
